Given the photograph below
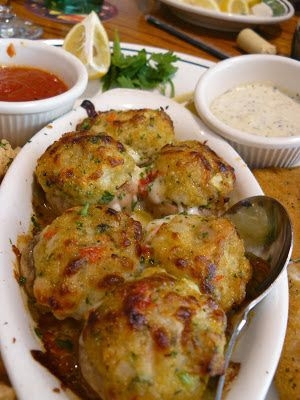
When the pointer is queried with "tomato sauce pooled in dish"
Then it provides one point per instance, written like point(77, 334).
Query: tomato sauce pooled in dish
point(18, 83)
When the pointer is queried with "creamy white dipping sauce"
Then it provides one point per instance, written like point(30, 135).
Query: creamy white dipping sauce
point(259, 108)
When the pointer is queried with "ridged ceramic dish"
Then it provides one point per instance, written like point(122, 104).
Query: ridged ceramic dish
point(20, 120)
point(258, 349)
point(257, 151)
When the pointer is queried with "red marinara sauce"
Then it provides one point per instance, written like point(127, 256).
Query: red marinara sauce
point(18, 83)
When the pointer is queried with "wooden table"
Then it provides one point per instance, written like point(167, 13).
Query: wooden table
point(132, 27)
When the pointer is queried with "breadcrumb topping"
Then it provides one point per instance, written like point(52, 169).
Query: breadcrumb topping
point(7, 154)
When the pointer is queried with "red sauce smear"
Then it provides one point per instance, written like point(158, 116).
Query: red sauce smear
point(18, 83)
point(60, 339)
point(11, 51)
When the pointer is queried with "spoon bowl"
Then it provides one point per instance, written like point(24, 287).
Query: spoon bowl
point(265, 226)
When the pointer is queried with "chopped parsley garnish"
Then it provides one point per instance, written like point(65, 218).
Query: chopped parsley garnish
point(85, 125)
point(140, 71)
point(22, 280)
point(106, 198)
point(64, 344)
point(101, 228)
point(84, 210)
point(38, 333)
point(79, 225)
point(187, 379)
point(35, 223)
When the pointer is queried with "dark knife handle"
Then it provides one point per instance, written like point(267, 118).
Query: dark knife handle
point(295, 52)
point(195, 42)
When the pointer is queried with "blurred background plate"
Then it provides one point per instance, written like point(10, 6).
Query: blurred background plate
point(212, 19)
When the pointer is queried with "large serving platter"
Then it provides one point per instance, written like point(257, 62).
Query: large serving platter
point(224, 21)
point(258, 349)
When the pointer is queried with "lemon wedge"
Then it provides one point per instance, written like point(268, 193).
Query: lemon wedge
point(235, 7)
point(252, 3)
point(89, 42)
point(210, 4)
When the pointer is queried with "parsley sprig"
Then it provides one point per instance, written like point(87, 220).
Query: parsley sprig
point(140, 71)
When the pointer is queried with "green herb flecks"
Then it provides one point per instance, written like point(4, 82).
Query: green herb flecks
point(106, 197)
point(85, 209)
point(38, 333)
point(140, 71)
point(85, 124)
point(36, 226)
point(22, 280)
point(102, 228)
point(64, 344)
point(187, 379)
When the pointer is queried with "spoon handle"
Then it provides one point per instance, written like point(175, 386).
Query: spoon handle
point(239, 325)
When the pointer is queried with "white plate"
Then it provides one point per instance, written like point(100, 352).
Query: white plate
point(224, 21)
point(260, 346)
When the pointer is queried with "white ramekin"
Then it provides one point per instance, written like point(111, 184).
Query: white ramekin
point(257, 151)
point(20, 120)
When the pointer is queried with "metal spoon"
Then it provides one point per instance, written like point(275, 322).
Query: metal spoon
point(264, 225)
